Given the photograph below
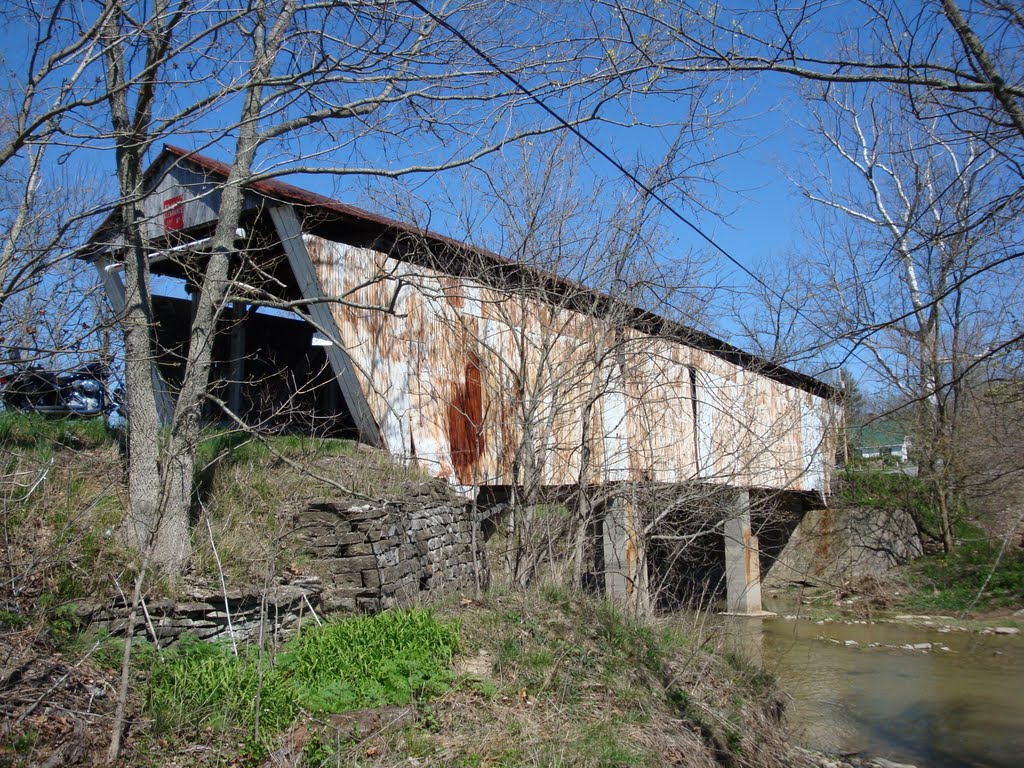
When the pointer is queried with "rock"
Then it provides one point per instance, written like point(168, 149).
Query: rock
point(881, 762)
point(1006, 631)
point(922, 646)
point(851, 643)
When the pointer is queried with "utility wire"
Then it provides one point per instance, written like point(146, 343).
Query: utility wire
point(855, 338)
point(618, 166)
point(594, 146)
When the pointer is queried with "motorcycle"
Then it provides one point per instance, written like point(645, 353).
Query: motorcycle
point(81, 392)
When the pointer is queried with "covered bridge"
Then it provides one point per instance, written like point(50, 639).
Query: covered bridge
point(500, 378)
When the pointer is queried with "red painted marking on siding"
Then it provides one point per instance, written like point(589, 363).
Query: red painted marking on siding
point(174, 213)
point(465, 415)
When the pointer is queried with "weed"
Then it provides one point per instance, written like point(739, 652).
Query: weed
point(12, 620)
point(486, 688)
point(418, 744)
point(366, 661)
point(680, 701)
point(751, 677)
point(317, 752)
point(600, 745)
point(23, 743)
point(733, 741)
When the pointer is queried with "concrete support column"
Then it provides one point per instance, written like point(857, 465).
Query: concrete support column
point(625, 561)
point(742, 566)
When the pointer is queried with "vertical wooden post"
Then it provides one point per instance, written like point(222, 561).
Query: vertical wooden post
point(238, 315)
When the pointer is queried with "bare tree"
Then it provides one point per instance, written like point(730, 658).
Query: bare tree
point(958, 72)
point(963, 66)
point(382, 73)
point(920, 107)
point(930, 224)
point(41, 308)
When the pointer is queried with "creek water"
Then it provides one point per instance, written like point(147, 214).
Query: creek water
point(956, 708)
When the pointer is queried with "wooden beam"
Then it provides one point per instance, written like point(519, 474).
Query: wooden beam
point(237, 318)
point(289, 230)
point(114, 288)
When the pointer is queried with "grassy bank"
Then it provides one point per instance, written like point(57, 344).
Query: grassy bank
point(540, 678)
point(543, 676)
point(980, 576)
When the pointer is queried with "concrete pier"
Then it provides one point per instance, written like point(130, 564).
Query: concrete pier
point(742, 566)
point(625, 563)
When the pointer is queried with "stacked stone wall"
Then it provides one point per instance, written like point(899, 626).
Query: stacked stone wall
point(371, 557)
point(358, 557)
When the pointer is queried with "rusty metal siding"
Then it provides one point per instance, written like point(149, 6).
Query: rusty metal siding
point(772, 415)
point(661, 420)
point(468, 382)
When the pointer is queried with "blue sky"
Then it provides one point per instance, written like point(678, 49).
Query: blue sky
point(760, 205)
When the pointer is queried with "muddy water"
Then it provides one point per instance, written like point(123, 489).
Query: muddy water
point(956, 708)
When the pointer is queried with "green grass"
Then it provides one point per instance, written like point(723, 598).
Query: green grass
point(229, 447)
point(952, 582)
point(395, 657)
point(202, 685)
point(391, 658)
point(38, 434)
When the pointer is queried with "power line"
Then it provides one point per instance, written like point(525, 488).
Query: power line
point(619, 167)
point(594, 146)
